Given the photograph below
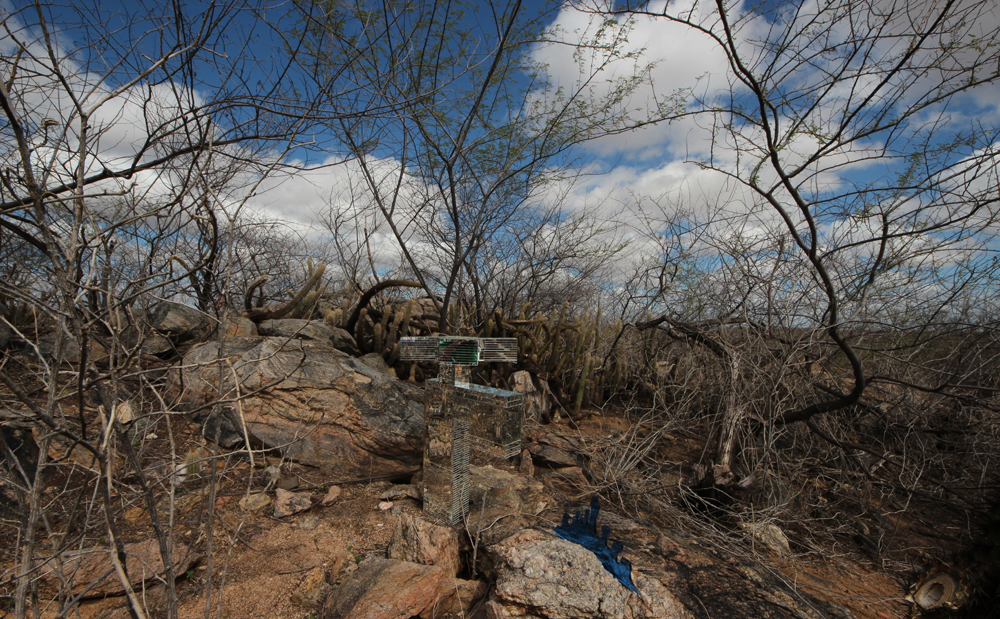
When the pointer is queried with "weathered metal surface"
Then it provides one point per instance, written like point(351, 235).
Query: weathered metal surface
point(464, 423)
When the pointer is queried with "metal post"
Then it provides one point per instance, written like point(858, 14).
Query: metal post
point(463, 422)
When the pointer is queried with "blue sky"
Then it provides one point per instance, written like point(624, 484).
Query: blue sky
point(639, 172)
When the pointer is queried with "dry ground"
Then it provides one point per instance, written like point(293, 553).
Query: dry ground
point(258, 560)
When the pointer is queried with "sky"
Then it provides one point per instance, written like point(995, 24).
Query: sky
point(650, 161)
point(633, 175)
point(660, 161)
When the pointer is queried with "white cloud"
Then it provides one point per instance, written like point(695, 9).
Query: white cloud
point(682, 58)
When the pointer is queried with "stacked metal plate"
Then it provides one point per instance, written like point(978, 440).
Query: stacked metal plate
point(464, 423)
point(498, 349)
point(418, 348)
point(456, 350)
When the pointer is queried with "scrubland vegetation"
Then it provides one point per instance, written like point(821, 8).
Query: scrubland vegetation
point(820, 319)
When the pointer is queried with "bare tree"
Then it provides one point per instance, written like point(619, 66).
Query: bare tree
point(462, 168)
point(133, 140)
point(846, 125)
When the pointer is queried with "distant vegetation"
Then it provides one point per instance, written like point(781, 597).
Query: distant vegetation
point(832, 322)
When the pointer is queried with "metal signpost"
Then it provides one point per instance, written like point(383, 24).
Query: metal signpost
point(463, 423)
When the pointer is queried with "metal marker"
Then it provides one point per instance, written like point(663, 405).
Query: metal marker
point(463, 422)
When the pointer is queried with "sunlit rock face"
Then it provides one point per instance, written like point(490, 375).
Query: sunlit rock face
point(317, 404)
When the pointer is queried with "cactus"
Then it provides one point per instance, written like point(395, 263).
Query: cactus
point(404, 329)
point(391, 351)
point(333, 317)
point(305, 308)
point(308, 305)
point(537, 335)
point(192, 464)
point(345, 306)
point(359, 329)
point(377, 342)
point(597, 328)
point(582, 385)
point(583, 338)
point(385, 322)
point(394, 328)
point(554, 334)
point(315, 277)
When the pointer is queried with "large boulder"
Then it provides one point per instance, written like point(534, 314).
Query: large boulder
point(386, 589)
point(551, 577)
point(224, 425)
point(457, 598)
point(554, 449)
point(70, 349)
point(314, 402)
point(537, 403)
point(419, 540)
point(238, 326)
point(178, 322)
point(316, 330)
point(496, 494)
point(90, 572)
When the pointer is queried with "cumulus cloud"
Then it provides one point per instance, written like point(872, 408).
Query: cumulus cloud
point(833, 86)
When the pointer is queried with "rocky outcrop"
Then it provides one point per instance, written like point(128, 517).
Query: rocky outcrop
point(495, 494)
point(69, 349)
point(537, 403)
point(457, 598)
point(376, 362)
point(540, 575)
point(223, 425)
point(315, 330)
point(179, 323)
point(238, 326)
point(418, 540)
point(385, 589)
point(85, 568)
point(312, 401)
point(552, 449)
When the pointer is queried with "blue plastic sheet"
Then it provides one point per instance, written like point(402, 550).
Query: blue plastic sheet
point(582, 530)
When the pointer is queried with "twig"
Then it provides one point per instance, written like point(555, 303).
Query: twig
point(359, 480)
point(301, 569)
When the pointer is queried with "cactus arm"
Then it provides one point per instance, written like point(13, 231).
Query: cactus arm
point(254, 285)
point(371, 292)
point(262, 314)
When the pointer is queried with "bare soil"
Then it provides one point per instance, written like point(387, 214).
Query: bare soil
point(258, 561)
